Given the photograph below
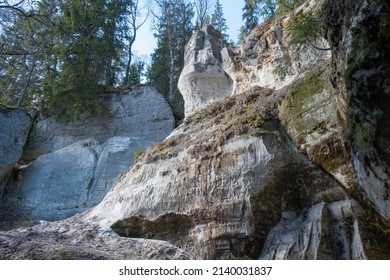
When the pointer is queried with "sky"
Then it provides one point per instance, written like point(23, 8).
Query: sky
point(232, 10)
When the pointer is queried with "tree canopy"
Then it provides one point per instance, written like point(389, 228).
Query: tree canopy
point(59, 55)
point(173, 29)
point(256, 10)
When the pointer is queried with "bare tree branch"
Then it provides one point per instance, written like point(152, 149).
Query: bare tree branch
point(203, 9)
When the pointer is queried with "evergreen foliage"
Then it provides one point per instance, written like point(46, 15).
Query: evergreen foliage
point(135, 73)
point(58, 55)
point(265, 9)
point(218, 21)
point(173, 29)
point(305, 30)
point(249, 16)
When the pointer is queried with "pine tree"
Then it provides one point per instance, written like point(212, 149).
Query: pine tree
point(250, 16)
point(24, 38)
point(266, 9)
point(173, 21)
point(219, 22)
point(62, 67)
point(136, 72)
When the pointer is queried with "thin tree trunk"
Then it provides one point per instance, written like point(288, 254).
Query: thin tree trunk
point(171, 71)
point(110, 72)
point(130, 58)
point(27, 85)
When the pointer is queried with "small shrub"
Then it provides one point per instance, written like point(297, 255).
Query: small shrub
point(3, 226)
point(255, 121)
point(65, 255)
point(164, 152)
point(138, 154)
point(320, 126)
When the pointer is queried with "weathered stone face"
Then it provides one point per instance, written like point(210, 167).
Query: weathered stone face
point(14, 127)
point(265, 173)
point(72, 240)
point(221, 196)
point(266, 51)
point(71, 180)
point(74, 165)
point(306, 235)
point(227, 208)
point(203, 78)
point(140, 113)
point(360, 71)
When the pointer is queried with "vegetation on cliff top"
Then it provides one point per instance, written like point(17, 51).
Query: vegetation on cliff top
point(57, 56)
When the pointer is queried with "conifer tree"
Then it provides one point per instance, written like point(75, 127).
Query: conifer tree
point(59, 54)
point(173, 29)
point(264, 9)
point(250, 16)
point(218, 21)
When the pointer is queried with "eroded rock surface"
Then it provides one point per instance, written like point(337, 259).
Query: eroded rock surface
point(74, 165)
point(141, 113)
point(71, 240)
point(14, 128)
point(360, 47)
point(221, 196)
point(265, 58)
point(203, 78)
point(303, 236)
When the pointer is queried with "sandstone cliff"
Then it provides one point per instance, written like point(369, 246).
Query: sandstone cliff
point(263, 167)
point(14, 127)
point(72, 166)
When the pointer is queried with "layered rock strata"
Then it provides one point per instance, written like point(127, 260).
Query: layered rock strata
point(72, 166)
point(203, 78)
point(15, 125)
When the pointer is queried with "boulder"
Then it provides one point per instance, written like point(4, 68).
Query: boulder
point(14, 128)
point(55, 184)
point(72, 240)
point(203, 78)
point(72, 179)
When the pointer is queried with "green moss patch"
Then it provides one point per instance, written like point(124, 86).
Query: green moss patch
point(251, 113)
point(303, 99)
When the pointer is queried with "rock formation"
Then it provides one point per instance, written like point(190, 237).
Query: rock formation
point(240, 160)
point(360, 47)
point(14, 128)
point(74, 165)
point(266, 167)
point(140, 113)
point(203, 78)
point(72, 240)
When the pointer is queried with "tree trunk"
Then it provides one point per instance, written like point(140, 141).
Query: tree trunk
point(171, 71)
point(27, 85)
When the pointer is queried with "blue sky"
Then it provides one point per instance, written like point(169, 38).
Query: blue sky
point(232, 10)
